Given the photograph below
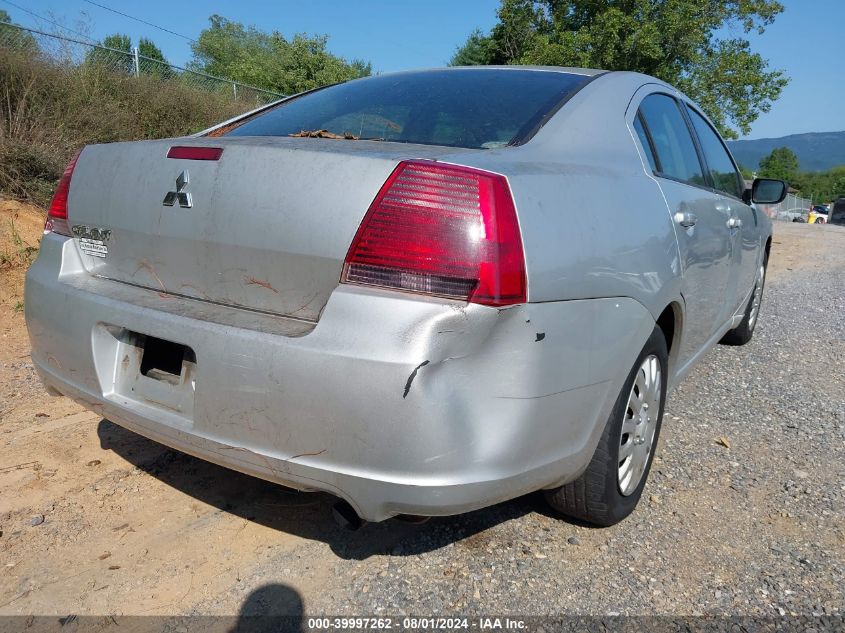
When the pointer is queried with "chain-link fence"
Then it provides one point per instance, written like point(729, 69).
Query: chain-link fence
point(792, 209)
point(68, 51)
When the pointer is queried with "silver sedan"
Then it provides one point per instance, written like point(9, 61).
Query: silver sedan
point(424, 292)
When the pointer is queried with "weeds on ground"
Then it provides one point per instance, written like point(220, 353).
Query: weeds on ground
point(21, 254)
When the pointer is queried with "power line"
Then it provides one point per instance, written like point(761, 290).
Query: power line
point(41, 17)
point(126, 15)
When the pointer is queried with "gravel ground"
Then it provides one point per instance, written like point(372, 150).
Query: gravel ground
point(743, 513)
point(755, 527)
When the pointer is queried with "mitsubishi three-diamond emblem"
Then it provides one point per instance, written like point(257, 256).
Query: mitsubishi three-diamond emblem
point(183, 197)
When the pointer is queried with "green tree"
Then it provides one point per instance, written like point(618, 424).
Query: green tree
point(679, 41)
point(118, 41)
point(147, 48)
point(474, 52)
point(120, 56)
point(16, 39)
point(747, 174)
point(824, 186)
point(269, 60)
point(117, 58)
point(782, 163)
point(152, 61)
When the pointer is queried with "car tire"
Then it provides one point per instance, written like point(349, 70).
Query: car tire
point(743, 332)
point(606, 492)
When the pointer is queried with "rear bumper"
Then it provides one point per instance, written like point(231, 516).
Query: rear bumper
point(398, 404)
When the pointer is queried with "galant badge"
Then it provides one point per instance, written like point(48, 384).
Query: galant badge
point(183, 197)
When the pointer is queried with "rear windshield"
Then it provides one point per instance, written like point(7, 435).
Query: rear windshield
point(474, 108)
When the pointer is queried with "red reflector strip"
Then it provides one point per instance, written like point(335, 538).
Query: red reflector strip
point(195, 153)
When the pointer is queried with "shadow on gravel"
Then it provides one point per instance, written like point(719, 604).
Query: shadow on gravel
point(272, 608)
point(304, 514)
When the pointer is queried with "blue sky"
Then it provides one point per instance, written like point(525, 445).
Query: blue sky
point(806, 40)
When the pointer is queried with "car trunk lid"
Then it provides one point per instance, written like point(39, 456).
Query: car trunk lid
point(265, 227)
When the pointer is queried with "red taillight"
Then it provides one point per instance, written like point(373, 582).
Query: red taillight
point(57, 215)
point(442, 230)
point(195, 153)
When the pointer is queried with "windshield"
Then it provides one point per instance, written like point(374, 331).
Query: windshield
point(474, 108)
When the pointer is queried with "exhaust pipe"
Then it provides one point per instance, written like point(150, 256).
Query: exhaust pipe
point(413, 519)
point(346, 517)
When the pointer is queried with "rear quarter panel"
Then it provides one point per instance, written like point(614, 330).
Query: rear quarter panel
point(594, 223)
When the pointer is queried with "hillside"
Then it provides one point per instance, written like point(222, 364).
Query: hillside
point(816, 151)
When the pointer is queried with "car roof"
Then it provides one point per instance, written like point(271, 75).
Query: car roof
point(586, 72)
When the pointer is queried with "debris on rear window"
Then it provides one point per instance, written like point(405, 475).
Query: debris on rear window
point(325, 134)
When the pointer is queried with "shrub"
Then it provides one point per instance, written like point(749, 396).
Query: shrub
point(49, 110)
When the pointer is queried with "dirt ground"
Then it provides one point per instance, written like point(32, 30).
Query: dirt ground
point(109, 527)
point(97, 520)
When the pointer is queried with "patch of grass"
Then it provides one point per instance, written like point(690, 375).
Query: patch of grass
point(19, 306)
point(21, 254)
point(16, 237)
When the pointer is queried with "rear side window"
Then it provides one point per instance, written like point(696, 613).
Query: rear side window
point(719, 163)
point(474, 108)
point(645, 142)
point(672, 142)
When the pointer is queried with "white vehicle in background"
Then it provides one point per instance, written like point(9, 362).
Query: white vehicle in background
point(791, 215)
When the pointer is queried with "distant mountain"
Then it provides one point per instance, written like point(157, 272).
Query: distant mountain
point(816, 151)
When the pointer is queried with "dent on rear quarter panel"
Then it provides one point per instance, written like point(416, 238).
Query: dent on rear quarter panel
point(536, 389)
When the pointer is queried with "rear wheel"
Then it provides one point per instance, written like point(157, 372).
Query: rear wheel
point(610, 488)
point(743, 332)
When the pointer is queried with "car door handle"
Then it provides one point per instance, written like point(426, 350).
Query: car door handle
point(686, 219)
point(734, 223)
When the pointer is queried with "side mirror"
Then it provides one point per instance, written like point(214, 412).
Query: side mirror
point(767, 191)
